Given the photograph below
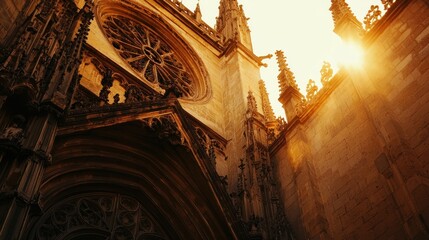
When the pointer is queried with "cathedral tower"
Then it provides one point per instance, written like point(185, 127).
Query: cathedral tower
point(346, 24)
point(232, 23)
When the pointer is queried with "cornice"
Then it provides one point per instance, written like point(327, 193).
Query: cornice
point(186, 17)
point(322, 96)
point(313, 105)
point(232, 45)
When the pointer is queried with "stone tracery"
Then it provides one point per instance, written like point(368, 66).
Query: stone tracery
point(148, 54)
point(106, 215)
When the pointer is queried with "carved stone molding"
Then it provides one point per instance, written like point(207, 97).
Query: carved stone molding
point(98, 216)
point(167, 128)
point(103, 84)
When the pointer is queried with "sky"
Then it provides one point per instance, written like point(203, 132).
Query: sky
point(302, 29)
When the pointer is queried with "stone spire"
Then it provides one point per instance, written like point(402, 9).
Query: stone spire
point(197, 12)
point(285, 77)
point(256, 188)
point(232, 23)
point(346, 24)
point(266, 105)
point(290, 97)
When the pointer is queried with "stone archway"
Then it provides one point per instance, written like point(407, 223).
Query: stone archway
point(132, 161)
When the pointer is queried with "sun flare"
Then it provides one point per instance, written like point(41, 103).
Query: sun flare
point(349, 55)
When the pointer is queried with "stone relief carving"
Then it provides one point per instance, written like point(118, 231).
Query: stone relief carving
point(166, 128)
point(13, 133)
point(213, 147)
point(111, 216)
point(326, 73)
point(102, 85)
point(311, 90)
point(373, 15)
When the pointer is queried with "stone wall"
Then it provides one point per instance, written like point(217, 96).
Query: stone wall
point(357, 167)
point(8, 13)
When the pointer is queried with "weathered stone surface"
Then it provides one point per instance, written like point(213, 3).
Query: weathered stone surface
point(367, 142)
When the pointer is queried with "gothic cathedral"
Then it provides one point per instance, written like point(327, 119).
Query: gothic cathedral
point(134, 119)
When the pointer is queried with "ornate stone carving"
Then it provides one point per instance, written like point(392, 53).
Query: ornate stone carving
point(311, 90)
point(148, 54)
point(326, 73)
point(107, 83)
point(286, 77)
point(373, 15)
point(274, 132)
point(387, 3)
point(83, 98)
point(251, 103)
point(14, 132)
point(301, 106)
point(213, 147)
point(266, 105)
point(111, 216)
point(34, 62)
point(340, 9)
point(195, 17)
point(166, 128)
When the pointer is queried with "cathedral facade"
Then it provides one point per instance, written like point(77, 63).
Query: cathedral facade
point(132, 119)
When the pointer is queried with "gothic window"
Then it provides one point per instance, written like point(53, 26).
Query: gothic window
point(148, 54)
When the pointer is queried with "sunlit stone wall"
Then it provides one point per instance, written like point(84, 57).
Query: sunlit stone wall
point(357, 168)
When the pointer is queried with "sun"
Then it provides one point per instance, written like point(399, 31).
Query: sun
point(349, 54)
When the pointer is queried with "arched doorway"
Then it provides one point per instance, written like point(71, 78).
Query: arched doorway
point(100, 177)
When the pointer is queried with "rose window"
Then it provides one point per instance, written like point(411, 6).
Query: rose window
point(148, 54)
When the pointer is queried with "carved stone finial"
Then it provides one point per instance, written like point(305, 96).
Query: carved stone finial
point(346, 24)
point(266, 105)
point(197, 12)
point(373, 15)
point(281, 60)
point(286, 77)
point(231, 22)
point(326, 73)
point(311, 89)
point(251, 102)
point(107, 83)
point(301, 106)
point(387, 3)
point(339, 10)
